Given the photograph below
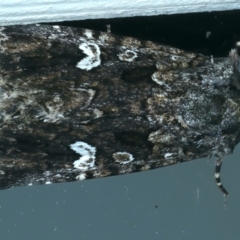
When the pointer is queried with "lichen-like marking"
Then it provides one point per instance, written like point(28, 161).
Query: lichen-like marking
point(87, 159)
point(127, 56)
point(92, 59)
point(162, 79)
point(157, 80)
point(91, 93)
point(98, 113)
point(123, 157)
point(160, 137)
point(53, 115)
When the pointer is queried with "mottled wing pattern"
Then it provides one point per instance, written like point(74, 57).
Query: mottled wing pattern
point(79, 104)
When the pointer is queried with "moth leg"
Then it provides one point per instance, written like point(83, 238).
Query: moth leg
point(217, 177)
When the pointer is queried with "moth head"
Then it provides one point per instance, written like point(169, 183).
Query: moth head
point(235, 60)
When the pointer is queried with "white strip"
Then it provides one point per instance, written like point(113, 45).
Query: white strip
point(35, 11)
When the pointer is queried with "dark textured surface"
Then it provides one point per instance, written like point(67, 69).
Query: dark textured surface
point(122, 104)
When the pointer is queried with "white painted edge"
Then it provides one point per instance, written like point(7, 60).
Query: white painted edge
point(37, 11)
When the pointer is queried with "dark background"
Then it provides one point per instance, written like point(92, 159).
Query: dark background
point(176, 202)
point(185, 31)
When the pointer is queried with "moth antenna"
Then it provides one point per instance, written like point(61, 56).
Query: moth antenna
point(217, 177)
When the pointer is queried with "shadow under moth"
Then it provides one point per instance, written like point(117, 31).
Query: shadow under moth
point(79, 104)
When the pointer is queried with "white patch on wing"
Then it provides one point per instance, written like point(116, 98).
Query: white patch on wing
point(87, 159)
point(92, 59)
point(123, 157)
point(98, 113)
point(88, 34)
point(57, 28)
point(168, 155)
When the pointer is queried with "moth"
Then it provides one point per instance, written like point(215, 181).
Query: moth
point(79, 104)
